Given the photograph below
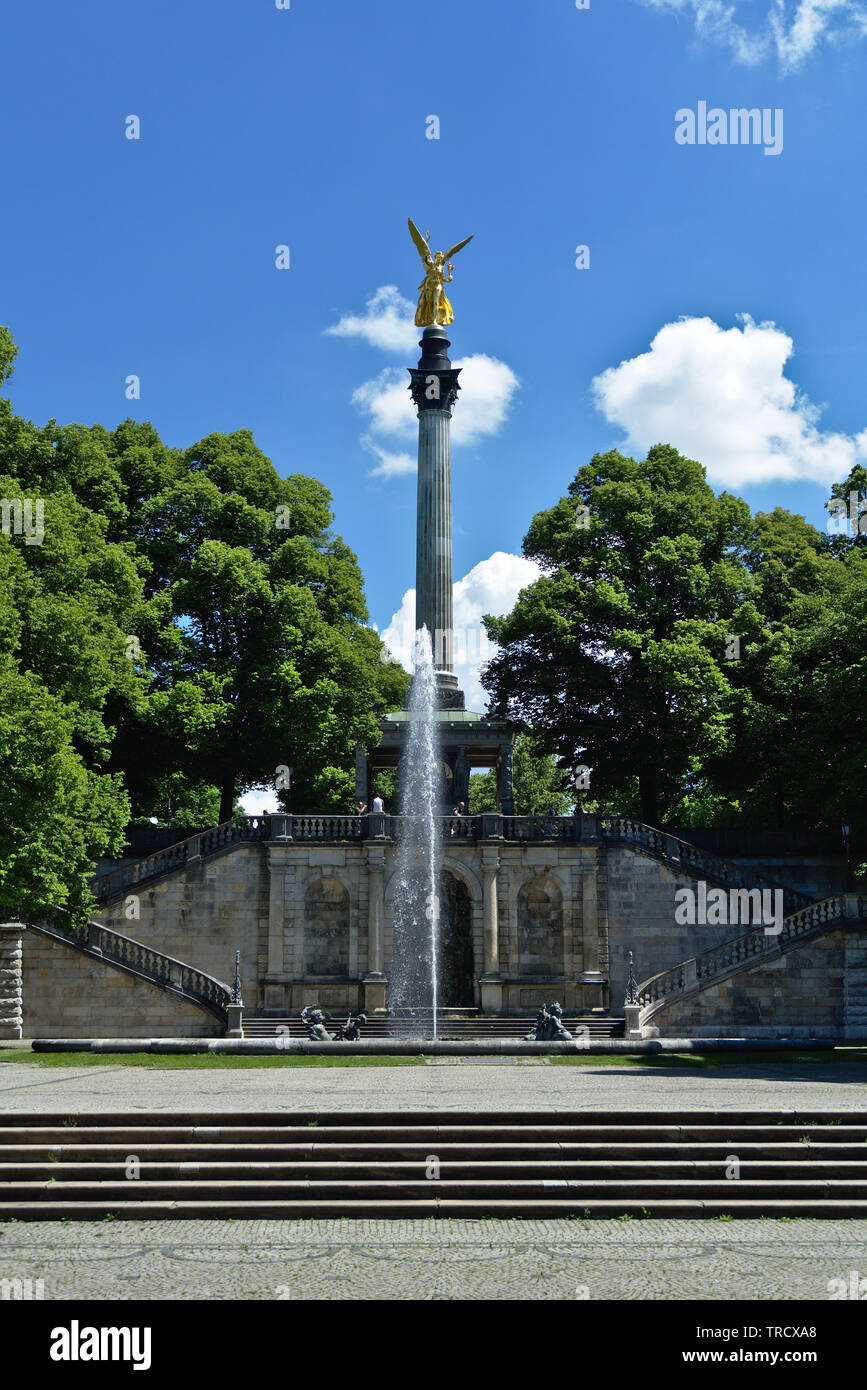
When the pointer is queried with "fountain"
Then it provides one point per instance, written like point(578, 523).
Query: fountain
point(414, 982)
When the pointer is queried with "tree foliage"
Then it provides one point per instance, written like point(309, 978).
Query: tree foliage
point(188, 624)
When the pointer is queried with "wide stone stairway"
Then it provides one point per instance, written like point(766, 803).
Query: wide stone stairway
point(484, 1026)
point(143, 1165)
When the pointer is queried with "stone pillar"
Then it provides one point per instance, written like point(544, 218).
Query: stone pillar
point(274, 991)
point(632, 1014)
point(11, 984)
point(491, 981)
point(433, 566)
point(374, 981)
point(434, 390)
point(504, 780)
point(591, 978)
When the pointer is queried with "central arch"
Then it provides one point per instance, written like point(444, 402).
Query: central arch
point(456, 972)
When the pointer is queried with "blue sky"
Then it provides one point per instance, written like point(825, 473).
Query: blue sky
point(307, 127)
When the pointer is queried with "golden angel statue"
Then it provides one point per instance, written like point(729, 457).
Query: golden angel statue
point(433, 306)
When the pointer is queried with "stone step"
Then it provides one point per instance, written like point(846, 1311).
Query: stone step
point(431, 1134)
point(419, 1186)
point(391, 1209)
point(57, 1155)
point(321, 1164)
point(592, 1026)
point(288, 1120)
point(322, 1168)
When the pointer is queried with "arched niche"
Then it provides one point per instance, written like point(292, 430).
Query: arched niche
point(326, 928)
point(540, 928)
point(456, 973)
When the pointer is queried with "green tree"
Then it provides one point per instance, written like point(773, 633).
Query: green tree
point(537, 782)
point(615, 657)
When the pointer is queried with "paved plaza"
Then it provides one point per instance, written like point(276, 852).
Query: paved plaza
point(435, 1259)
point(444, 1083)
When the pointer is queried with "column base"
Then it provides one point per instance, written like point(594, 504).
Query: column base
point(374, 986)
point(491, 990)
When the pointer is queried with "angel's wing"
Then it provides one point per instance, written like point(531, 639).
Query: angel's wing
point(447, 255)
point(421, 244)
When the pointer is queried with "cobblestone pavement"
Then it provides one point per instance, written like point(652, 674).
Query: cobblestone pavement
point(458, 1259)
point(471, 1085)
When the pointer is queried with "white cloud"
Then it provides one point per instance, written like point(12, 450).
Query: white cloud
point(491, 586)
point(487, 388)
point(387, 401)
point(487, 384)
point(791, 30)
point(721, 396)
point(386, 323)
point(389, 465)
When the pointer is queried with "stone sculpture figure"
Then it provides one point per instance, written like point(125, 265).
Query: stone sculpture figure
point(350, 1030)
point(549, 1026)
point(314, 1022)
point(537, 1032)
point(433, 306)
point(556, 1031)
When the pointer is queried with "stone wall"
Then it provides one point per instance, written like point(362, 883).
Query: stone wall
point(70, 995)
point(641, 919)
point(313, 924)
point(202, 915)
point(798, 994)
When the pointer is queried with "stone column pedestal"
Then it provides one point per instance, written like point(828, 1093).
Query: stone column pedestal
point(234, 1016)
point(633, 1028)
point(374, 987)
point(11, 984)
point(491, 988)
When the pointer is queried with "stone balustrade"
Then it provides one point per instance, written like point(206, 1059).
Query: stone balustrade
point(699, 972)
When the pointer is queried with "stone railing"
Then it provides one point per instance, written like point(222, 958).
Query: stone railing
point(133, 957)
point(166, 861)
point(699, 972)
point(322, 829)
point(680, 855)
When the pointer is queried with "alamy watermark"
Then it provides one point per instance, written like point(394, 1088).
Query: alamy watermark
point(736, 126)
point(842, 515)
point(23, 517)
point(718, 907)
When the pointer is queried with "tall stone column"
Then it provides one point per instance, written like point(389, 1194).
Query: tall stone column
point(374, 981)
point(281, 882)
point(434, 390)
point(491, 982)
point(11, 983)
point(592, 977)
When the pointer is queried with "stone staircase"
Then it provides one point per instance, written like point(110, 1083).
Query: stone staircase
point(293, 1164)
point(123, 953)
point(855, 986)
point(692, 976)
point(484, 1026)
point(688, 859)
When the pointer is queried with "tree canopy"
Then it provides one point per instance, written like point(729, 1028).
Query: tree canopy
point(186, 624)
point(694, 656)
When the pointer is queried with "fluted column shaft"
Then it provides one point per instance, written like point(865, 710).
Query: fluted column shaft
point(433, 569)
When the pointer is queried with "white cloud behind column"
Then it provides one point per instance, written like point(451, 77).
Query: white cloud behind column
point(491, 586)
point(488, 386)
